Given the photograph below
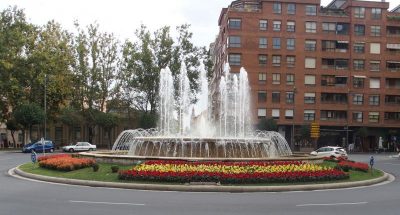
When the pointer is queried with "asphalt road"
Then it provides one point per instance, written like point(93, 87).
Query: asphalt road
point(19, 197)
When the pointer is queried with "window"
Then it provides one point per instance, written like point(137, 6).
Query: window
point(276, 97)
point(358, 82)
point(341, 64)
point(374, 66)
point(376, 13)
point(374, 100)
point(359, 48)
point(311, 27)
point(234, 41)
point(374, 83)
point(328, 80)
point(276, 43)
point(359, 12)
point(289, 114)
point(262, 60)
point(357, 116)
point(342, 28)
point(262, 78)
point(277, 7)
point(329, 27)
point(275, 113)
point(311, 10)
point(373, 116)
point(234, 23)
point(358, 99)
point(262, 43)
point(375, 30)
point(289, 97)
point(290, 61)
point(358, 64)
point(262, 96)
point(290, 44)
point(329, 45)
point(310, 45)
point(309, 115)
point(276, 78)
point(263, 24)
point(276, 60)
point(310, 63)
point(290, 26)
point(291, 8)
point(309, 79)
point(359, 30)
point(277, 25)
point(234, 59)
point(375, 48)
point(328, 63)
point(261, 112)
point(309, 98)
point(289, 79)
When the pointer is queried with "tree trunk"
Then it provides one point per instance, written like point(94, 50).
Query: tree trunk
point(13, 138)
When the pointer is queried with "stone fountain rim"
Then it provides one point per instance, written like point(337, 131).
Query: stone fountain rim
point(115, 157)
point(214, 139)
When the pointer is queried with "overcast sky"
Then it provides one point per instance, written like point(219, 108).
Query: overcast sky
point(122, 17)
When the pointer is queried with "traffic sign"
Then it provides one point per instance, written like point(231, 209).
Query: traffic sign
point(314, 131)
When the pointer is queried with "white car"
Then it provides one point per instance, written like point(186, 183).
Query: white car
point(330, 151)
point(79, 146)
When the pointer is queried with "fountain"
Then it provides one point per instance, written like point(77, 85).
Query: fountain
point(186, 131)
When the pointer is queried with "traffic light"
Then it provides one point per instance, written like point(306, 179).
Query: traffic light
point(314, 131)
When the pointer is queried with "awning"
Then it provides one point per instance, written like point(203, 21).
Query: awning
point(342, 41)
point(360, 76)
point(393, 46)
point(340, 76)
point(389, 61)
point(359, 42)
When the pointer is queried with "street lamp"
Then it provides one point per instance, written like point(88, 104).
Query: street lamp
point(294, 99)
point(45, 114)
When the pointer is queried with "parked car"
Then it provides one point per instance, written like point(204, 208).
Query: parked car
point(330, 151)
point(38, 147)
point(79, 146)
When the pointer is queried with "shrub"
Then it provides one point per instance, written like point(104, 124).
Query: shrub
point(95, 167)
point(114, 169)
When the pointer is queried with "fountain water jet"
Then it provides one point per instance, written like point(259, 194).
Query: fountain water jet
point(177, 137)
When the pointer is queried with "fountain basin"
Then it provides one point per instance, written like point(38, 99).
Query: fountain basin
point(122, 157)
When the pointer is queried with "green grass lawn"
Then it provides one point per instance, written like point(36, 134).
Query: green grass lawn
point(104, 174)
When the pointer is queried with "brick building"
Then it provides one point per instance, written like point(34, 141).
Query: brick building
point(337, 65)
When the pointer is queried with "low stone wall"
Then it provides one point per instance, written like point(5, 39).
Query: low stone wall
point(123, 159)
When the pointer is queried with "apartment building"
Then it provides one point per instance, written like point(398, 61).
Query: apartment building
point(336, 65)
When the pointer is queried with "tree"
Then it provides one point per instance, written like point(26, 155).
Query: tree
point(27, 115)
point(267, 124)
point(107, 121)
point(13, 126)
point(71, 117)
point(362, 132)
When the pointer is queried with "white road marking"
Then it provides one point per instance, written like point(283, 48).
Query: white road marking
point(333, 204)
point(107, 203)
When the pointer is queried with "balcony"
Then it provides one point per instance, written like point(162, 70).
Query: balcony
point(333, 81)
point(392, 83)
point(337, 64)
point(392, 117)
point(333, 115)
point(333, 12)
point(393, 66)
point(243, 6)
point(333, 98)
point(392, 100)
point(393, 31)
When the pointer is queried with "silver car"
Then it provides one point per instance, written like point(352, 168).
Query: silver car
point(79, 146)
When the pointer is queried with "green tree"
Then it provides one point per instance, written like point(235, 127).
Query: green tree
point(13, 126)
point(267, 124)
point(107, 121)
point(28, 115)
point(71, 117)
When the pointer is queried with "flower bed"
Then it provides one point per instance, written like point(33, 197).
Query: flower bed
point(46, 157)
point(65, 162)
point(354, 165)
point(231, 172)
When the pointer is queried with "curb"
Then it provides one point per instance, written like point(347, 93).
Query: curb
point(203, 188)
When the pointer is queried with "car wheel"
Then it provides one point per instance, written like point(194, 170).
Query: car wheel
point(52, 150)
point(90, 149)
point(71, 150)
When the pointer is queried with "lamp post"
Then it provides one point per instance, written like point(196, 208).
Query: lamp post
point(45, 114)
point(293, 126)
